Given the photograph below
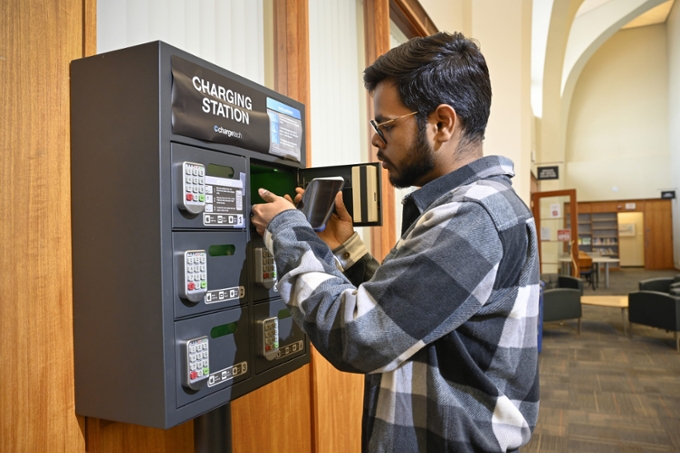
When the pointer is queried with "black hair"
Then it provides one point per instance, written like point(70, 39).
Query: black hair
point(440, 69)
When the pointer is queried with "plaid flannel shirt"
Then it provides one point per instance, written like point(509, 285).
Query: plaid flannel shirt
point(445, 329)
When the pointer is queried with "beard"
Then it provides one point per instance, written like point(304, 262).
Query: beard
point(418, 162)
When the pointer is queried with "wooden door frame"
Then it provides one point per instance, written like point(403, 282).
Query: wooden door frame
point(573, 212)
point(412, 19)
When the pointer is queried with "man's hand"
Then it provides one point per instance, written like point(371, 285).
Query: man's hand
point(263, 213)
point(339, 227)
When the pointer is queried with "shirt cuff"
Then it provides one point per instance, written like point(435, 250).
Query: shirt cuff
point(351, 251)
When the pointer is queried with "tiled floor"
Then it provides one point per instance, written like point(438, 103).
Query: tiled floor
point(604, 392)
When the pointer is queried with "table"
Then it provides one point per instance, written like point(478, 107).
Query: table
point(597, 260)
point(609, 301)
point(606, 261)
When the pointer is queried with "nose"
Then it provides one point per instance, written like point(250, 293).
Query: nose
point(377, 141)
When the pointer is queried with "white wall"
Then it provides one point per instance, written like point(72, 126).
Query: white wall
point(338, 119)
point(338, 97)
point(617, 144)
point(673, 39)
point(229, 33)
point(450, 15)
point(504, 32)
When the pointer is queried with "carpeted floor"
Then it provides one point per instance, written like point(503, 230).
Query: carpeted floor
point(602, 391)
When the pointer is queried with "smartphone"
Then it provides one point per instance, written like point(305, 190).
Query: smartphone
point(318, 201)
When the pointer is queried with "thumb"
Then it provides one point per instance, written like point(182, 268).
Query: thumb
point(340, 208)
point(266, 195)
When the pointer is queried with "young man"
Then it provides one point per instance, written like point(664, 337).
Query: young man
point(445, 329)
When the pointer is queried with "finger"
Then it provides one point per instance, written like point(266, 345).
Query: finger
point(287, 197)
point(266, 195)
point(340, 208)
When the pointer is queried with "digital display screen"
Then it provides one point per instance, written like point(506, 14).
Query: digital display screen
point(224, 329)
point(221, 250)
point(219, 171)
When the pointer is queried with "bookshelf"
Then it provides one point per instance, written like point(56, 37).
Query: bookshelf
point(598, 233)
point(605, 237)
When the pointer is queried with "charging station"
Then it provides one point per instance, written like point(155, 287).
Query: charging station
point(176, 310)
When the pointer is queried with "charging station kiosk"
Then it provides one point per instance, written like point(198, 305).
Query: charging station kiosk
point(176, 310)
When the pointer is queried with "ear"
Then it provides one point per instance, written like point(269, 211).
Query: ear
point(446, 121)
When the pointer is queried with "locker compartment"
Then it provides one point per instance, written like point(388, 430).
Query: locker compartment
point(208, 189)
point(221, 270)
point(361, 194)
point(291, 339)
point(227, 336)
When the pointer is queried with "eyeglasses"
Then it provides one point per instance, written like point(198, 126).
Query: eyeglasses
point(377, 126)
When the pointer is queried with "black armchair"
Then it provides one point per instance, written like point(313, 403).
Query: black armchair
point(661, 284)
point(656, 304)
point(562, 298)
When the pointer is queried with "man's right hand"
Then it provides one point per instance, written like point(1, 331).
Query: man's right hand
point(340, 226)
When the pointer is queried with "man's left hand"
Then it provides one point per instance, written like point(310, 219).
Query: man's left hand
point(263, 213)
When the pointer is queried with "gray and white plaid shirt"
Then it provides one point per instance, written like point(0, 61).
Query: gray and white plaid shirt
point(445, 329)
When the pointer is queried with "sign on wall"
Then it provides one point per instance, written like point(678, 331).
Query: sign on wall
point(552, 172)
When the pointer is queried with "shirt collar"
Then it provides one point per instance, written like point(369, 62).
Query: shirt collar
point(483, 168)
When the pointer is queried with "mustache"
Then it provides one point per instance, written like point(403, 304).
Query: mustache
point(382, 158)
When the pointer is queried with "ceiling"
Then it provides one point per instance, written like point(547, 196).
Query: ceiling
point(656, 15)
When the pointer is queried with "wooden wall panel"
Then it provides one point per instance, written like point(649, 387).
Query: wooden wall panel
point(338, 407)
point(658, 227)
point(37, 42)
point(377, 39)
point(604, 206)
point(291, 57)
point(658, 235)
point(275, 418)
point(111, 437)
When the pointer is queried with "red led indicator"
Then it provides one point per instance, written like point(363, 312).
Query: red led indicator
point(190, 197)
point(193, 375)
point(191, 286)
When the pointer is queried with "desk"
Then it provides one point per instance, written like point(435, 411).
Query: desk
point(609, 301)
point(565, 263)
point(606, 261)
point(597, 260)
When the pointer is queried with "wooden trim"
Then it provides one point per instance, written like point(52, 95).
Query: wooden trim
point(291, 58)
point(411, 18)
point(377, 38)
point(89, 27)
point(573, 212)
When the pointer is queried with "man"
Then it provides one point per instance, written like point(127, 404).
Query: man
point(445, 327)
